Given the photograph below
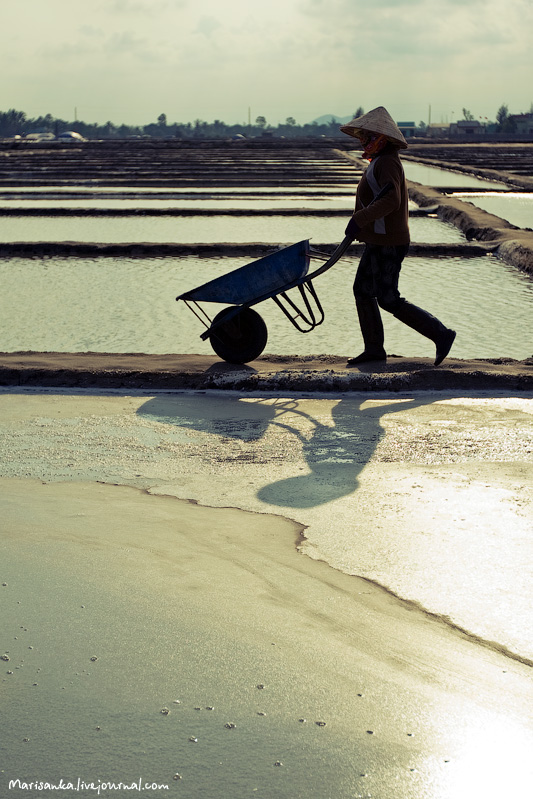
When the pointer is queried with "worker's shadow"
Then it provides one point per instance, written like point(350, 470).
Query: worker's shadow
point(335, 448)
point(335, 451)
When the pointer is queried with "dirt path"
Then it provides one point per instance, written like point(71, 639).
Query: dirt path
point(292, 373)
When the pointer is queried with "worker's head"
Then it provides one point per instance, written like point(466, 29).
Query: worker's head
point(375, 130)
point(373, 143)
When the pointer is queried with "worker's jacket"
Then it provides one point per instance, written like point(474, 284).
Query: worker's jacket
point(387, 220)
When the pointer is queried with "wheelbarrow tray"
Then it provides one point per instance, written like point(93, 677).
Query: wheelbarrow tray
point(257, 281)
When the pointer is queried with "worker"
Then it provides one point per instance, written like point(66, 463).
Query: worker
point(381, 222)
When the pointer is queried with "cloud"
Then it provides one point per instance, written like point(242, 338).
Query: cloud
point(128, 44)
point(207, 25)
point(91, 32)
point(427, 28)
point(92, 48)
point(147, 7)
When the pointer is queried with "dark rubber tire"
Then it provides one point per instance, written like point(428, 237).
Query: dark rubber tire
point(243, 338)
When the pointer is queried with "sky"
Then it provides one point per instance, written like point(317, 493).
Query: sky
point(128, 61)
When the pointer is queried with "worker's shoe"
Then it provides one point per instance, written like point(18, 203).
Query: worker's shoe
point(371, 330)
point(444, 345)
point(367, 357)
point(427, 325)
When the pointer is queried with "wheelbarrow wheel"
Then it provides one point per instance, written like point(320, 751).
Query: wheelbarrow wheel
point(242, 338)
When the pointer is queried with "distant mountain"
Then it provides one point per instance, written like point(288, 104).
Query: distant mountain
point(326, 118)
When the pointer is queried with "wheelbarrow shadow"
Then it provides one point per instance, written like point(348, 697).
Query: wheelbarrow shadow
point(335, 447)
point(224, 368)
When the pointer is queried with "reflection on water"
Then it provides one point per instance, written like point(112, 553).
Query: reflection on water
point(488, 739)
point(433, 176)
point(515, 207)
point(128, 305)
point(202, 202)
point(27, 191)
point(205, 229)
point(64, 195)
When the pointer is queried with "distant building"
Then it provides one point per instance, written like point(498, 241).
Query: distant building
point(466, 127)
point(438, 130)
point(523, 123)
point(407, 128)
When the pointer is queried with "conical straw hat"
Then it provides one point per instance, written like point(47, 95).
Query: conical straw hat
point(376, 121)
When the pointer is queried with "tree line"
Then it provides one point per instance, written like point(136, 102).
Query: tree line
point(13, 123)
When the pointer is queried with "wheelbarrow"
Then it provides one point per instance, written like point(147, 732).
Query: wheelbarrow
point(238, 333)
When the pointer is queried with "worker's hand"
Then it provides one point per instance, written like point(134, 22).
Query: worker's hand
point(352, 229)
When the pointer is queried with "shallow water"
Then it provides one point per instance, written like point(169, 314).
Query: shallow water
point(433, 176)
point(197, 202)
point(128, 305)
point(516, 208)
point(202, 229)
point(114, 192)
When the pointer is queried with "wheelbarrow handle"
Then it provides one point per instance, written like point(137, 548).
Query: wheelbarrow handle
point(345, 243)
point(332, 260)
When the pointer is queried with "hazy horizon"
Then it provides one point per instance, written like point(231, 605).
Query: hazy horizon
point(129, 61)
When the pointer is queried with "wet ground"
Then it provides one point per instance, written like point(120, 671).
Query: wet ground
point(194, 552)
point(320, 462)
